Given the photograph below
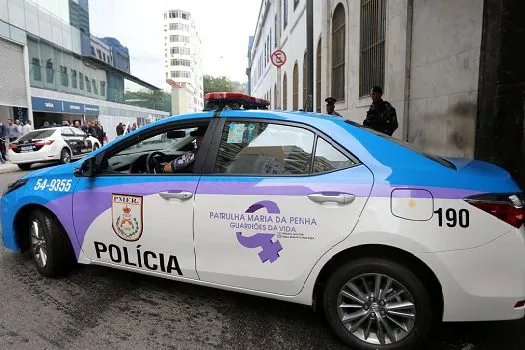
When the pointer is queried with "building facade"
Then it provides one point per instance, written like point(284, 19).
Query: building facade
point(56, 70)
point(425, 55)
point(183, 64)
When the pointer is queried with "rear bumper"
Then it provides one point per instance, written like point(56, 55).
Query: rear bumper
point(41, 156)
point(484, 283)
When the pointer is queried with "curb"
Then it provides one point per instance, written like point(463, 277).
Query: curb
point(8, 168)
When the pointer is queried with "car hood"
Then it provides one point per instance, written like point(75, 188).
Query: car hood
point(65, 169)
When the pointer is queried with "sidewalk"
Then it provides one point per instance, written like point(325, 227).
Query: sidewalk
point(8, 168)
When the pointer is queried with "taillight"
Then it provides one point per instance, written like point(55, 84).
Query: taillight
point(508, 208)
point(13, 147)
point(44, 143)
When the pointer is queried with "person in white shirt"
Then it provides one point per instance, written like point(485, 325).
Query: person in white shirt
point(27, 127)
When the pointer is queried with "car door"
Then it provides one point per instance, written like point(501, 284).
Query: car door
point(273, 199)
point(71, 141)
point(140, 221)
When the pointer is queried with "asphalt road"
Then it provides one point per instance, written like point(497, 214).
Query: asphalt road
point(101, 308)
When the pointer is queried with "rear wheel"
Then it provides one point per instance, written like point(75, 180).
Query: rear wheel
point(65, 156)
point(50, 246)
point(24, 166)
point(374, 303)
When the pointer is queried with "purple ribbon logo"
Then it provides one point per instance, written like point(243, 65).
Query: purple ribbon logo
point(270, 250)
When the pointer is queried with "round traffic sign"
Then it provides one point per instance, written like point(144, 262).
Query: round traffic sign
point(278, 58)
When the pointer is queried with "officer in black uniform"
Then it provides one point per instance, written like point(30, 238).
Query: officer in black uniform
point(382, 115)
point(330, 107)
point(187, 160)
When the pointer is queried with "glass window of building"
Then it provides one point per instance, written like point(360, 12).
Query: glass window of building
point(103, 88)
point(63, 76)
point(95, 87)
point(73, 79)
point(37, 71)
point(338, 53)
point(92, 51)
point(285, 13)
point(318, 79)
point(373, 28)
point(305, 79)
point(49, 71)
point(81, 81)
point(88, 85)
point(295, 87)
point(285, 92)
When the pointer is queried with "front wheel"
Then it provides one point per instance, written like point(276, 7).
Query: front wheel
point(49, 243)
point(374, 303)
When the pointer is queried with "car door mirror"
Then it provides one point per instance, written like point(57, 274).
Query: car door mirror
point(87, 169)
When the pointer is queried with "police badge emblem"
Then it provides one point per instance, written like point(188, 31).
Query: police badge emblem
point(126, 213)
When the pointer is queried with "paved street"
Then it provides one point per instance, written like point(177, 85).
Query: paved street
point(100, 308)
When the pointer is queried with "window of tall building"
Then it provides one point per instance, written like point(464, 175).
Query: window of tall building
point(373, 28)
point(99, 54)
point(63, 76)
point(318, 78)
point(179, 62)
point(103, 88)
point(81, 81)
point(95, 87)
point(305, 79)
point(49, 71)
point(93, 51)
point(179, 39)
point(338, 53)
point(275, 31)
point(275, 97)
point(285, 13)
point(285, 92)
point(37, 71)
point(73, 79)
point(88, 85)
point(295, 87)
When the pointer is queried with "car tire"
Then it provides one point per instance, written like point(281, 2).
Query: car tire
point(24, 166)
point(65, 156)
point(49, 245)
point(369, 317)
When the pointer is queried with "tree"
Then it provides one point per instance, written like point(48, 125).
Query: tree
point(217, 84)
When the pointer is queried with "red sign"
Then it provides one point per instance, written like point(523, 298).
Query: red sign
point(278, 58)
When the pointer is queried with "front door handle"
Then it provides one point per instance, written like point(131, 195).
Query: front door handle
point(341, 198)
point(182, 195)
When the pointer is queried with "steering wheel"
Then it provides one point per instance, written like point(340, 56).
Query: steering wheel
point(153, 165)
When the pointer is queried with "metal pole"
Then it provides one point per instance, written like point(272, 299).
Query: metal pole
point(310, 54)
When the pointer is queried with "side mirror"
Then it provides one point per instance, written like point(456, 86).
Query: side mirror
point(87, 169)
point(176, 134)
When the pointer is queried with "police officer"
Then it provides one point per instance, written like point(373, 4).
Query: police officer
point(187, 160)
point(382, 115)
point(330, 107)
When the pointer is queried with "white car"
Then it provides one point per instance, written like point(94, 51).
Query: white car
point(298, 207)
point(60, 144)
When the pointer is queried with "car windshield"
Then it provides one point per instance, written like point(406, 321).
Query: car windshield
point(37, 135)
point(402, 143)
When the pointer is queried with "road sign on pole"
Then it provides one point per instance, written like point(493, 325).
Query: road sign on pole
point(278, 58)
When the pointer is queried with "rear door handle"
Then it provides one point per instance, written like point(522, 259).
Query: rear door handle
point(341, 198)
point(182, 195)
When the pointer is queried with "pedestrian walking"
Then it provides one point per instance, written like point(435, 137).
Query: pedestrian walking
point(13, 131)
point(27, 128)
point(330, 107)
point(99, 132)
point(120, 129)
point(3, 141)
point(382, 115)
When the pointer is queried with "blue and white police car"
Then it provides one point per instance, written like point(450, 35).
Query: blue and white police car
point(294, 206)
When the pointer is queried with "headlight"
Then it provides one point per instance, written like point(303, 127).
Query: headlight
point(14, 185)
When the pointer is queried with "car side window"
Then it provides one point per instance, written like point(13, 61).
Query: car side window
point(260, 148)
point(328, 158)
point(164, 147)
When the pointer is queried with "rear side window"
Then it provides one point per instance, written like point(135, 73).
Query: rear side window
point(259, 148)
point(37, 135)
point(328, 158)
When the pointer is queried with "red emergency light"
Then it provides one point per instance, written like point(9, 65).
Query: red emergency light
point(233, 100)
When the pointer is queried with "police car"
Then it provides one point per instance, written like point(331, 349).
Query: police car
point(61, 144)
point(293, 206)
